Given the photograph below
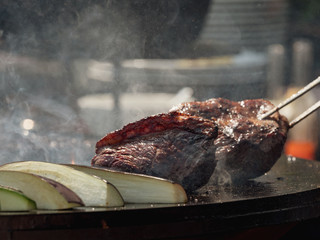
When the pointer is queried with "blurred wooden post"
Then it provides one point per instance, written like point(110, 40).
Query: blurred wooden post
point(302, 62)
point(275, 71)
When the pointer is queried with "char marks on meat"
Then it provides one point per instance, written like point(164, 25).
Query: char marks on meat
point(217, 140)
point(173, 145)
point(247, 147)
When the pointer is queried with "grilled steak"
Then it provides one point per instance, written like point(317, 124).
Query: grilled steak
point(217, 138)
point(246, 146)
point(172, 145)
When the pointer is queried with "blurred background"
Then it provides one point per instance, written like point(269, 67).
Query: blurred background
point(71, 71)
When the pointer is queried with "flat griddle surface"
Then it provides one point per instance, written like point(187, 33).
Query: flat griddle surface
point(289, 192)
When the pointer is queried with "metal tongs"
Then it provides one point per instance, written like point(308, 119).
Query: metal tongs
point(301, 92)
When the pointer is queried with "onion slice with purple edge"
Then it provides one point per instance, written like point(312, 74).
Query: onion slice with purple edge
point(94, 191)
point(47, 194)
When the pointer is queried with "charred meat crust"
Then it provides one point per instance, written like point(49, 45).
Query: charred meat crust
point(247, 147)
point(175, 146)
point(198, 141)
point(159, 123)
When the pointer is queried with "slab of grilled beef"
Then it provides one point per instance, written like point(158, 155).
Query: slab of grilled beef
point(246, 147)
point(217, 140)
point(173, 145)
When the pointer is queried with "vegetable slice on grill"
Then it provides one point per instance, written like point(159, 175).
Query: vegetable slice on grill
point(94, 191)
point(46, 193)
point(138, 188)
point(14, 200)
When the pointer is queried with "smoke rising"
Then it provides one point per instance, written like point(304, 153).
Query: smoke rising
point(39, 41)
